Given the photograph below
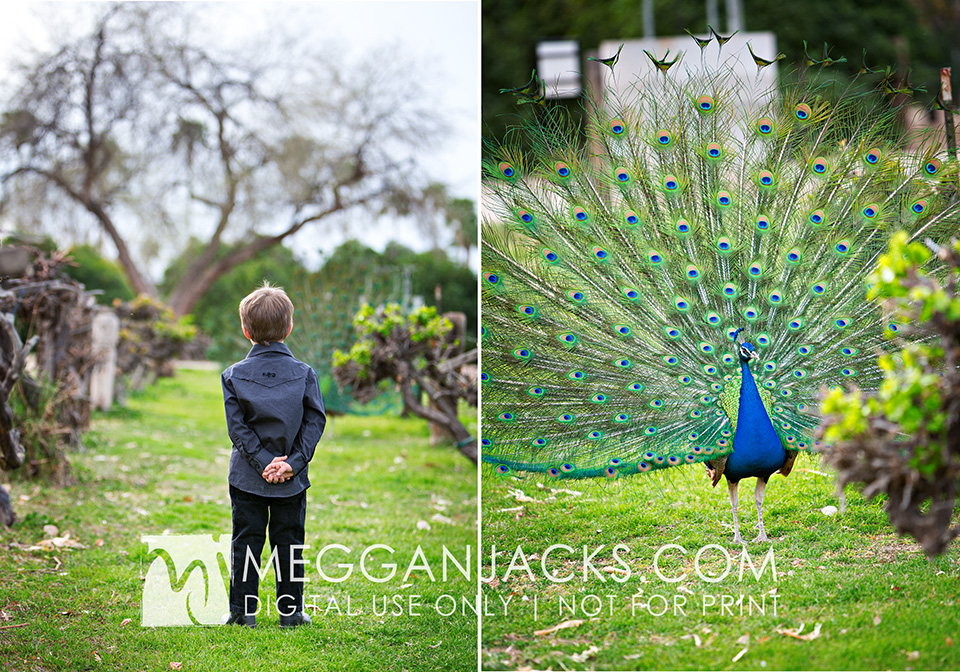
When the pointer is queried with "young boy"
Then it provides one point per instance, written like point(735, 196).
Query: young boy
point(275, 418)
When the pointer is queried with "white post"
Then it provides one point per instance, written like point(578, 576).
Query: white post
point(105, 332)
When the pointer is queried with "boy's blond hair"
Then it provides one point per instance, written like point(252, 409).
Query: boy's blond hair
point(266, 314)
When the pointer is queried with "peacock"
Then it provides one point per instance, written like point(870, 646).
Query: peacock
point(675, 277)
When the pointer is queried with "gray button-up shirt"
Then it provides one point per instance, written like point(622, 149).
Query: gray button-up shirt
point(273, 406)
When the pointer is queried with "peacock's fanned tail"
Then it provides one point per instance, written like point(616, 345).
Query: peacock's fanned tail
point(620, 258)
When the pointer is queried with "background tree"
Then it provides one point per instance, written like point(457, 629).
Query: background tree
point(147, 133)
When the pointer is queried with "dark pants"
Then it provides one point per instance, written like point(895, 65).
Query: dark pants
point(252, 515)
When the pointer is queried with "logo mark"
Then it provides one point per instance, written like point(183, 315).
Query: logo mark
point(187, 580)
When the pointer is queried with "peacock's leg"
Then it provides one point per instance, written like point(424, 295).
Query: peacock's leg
point(761, 485)
point(732, 485)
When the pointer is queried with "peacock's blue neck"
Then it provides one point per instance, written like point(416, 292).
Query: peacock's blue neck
point(757, 449)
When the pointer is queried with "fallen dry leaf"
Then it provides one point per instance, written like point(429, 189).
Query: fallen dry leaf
point(913, 655)
point(561, 626)
point(434, 646)
point(876, 619)
point(423, 525)
point(813, 634)
point(740, 655)
point(176, 666)
point(584, 655)
point(125, 621)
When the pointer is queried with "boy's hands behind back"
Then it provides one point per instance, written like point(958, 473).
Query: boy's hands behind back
point(278, 471)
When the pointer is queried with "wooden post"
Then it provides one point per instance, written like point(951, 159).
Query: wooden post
point(946, 97)
point(105, 333)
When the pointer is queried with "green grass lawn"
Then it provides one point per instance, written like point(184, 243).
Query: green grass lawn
point(160, 466)
point(879, 602)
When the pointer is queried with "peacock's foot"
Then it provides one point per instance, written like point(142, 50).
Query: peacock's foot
point(737, 539)
point(761, 538)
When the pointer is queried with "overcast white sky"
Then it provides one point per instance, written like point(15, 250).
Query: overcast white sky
point(442, 34)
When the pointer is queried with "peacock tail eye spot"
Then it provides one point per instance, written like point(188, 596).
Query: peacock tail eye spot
point(706, 399)
point(820, 166)
point(561, 169)
point(623, 363)
point(683, 226)
point(730, 290)
point(535, 391)
point(755, 269)
point(539, 442)
point(726, 433)
point(723, 199)
point(775, 297)
point(800, 373)
point(673, 459)
point(622, 417)
point(654, 257)
point(670, 183)
point(525, 216)
point(594, 435)
point(850, 352)
point(575, 375)
point(818, 288)
point(485, 443)
point(695, 414)
point(709, 369)
point(650, 431)
point(600, 253)
point(630, 217)
point(492, 278)
point(802, 111)
point(693, 272)
point(550, 255)
point(622, 175)
point(919, 207)
point(843, 246)
point(553, 471)
point(502, 469)
point(663, 137)
point(615, 462)
point(770, 384)
point(671, 332)
point(705, 103)
point(894, 327)
point(795, 324)
point(873, 156)
point(643, 466)
point(684, 380)
point(506, 169)
point(630, 293)
point(580, 214)
point(484, 377)
point(713, 318)
point(576, 295)
point(724, 244)
point(763, 222)
point(527, 309)
point(521, 353)
point(794, 255)
point(505, 417)
point(804, 349)
point(728, 359)
point(670, 360)
point(566, 467)
point(696, 449)
point(635, 387)
point(622, 329)
point(816, 217)
point(932, 167)
point(656, 403)
point(722, 443)
point(765, 126)
point(706, 347)
point(770, 366)
point(681, 304)
point(871, 211)
point(567, 337)
point(766, 178)
point(763, 340)
point(714, 150)
point(617, 126)
point(610, 472)
point(848, 372)
point(564, 417)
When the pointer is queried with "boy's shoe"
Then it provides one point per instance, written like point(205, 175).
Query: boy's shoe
point(299, 618)
point(237, 618)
